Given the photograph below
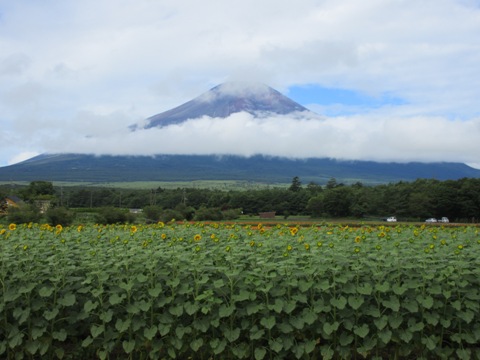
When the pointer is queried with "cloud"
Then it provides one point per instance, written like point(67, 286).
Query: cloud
point(74, 75)
point(397, 139)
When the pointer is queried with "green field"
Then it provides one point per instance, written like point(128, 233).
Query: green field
point(217, 291)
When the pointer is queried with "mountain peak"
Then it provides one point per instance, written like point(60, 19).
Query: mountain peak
point(226, 99)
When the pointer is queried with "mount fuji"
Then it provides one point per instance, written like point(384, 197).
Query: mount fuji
point(226, 99)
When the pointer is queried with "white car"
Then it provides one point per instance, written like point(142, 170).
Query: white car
point(392, 219)
point(431, 220)
point(444, 220)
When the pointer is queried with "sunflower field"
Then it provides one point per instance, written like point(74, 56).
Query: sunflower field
point(230, 291)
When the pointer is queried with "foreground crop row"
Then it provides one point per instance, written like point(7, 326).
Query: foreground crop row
point(230, 291)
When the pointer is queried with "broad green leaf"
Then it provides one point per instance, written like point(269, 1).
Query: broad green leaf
point(50, 314)
point(385, 335)
point(176, 310)
point(232, 334)
point(309, 316)
point(425, 301)
point(196, 344)
point(127, 286)
point(345, 338)
point(330, 328)
point(383, 287)
point(122, 326)
point(256, 333)
point(339, 303)
point(297, 322)
point(430, 342)
point(466, 315)
point(96, 330)
point(361, 331)
point(60, 335)
point(327, 352)
point(32, 346)
point(365, 289)
point(260, 353)
point(46, 291)
point(277, 306)
point(141, 278)
point(15, 340)
point(191, 307)
point(90, 305)
point(67, 300)
point(128, 346)
point(242, 296)
point(405, 335)
point(38, 332)
point(225, 310)
point(395, 320)
point(154, 292)
point(150, 332)
point(218, 345)
point(268, 322)
point(381, 322)
point(289, 306)
point(464, 354)
point(106, 316)
point(165, 329)
point(115, 298)
point(411, 305)
point(275, 345)
point(217, 284)
point(87, 341)
point(392, 303)
point(399, 289)
point(304, 285)
point(355, 301)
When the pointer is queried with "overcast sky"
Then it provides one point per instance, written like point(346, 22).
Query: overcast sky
point(390, 80)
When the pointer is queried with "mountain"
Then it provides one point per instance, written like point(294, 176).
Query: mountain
point(222, 101)
point(90, 168)
point(226, 99)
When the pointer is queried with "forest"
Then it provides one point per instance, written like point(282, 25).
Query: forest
point(459, 200)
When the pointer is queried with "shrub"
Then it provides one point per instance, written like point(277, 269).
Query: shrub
point(60, 215)
point(24, 214)
point(110, 215)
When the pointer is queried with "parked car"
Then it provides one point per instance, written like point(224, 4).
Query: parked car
point(444, 220)
point(431, 220)
point(391, 219)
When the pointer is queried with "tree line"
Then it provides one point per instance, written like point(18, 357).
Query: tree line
point(459, 200)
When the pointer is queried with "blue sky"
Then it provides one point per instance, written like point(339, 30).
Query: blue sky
point(390, 80)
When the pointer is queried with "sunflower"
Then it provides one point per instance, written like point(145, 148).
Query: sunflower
point(59, 228)
point(133, 229)
point(12, 227)
point(197, 237)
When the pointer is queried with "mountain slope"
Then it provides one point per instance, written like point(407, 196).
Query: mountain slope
point(226, 99)
point(90, 168)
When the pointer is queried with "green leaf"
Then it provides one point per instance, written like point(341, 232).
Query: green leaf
point(355, 301)
point(466, 315)
point(430, 342)
point(289, 306)
point(50, 314)
point(260, 353)
point(60, 335)
point(399, 289)
point(297, 322)
point(242, 296)
point(253, 308)
point(395, 320)
point(330, 328)
point(218, 345)
point(165, 329)
point(96, 330)
point(385, 335)
point(89, 306)
point(425, 301)
point(345, 338)
point(361, 331)
point(392, 303)
point(191, 307)
point(327, 352)
point(176, 310)
point(127, 286)
point(32, 346)
point(225, 310)
point(128, 346)
point(154, 292)
point(464, 354)
point(150, 332)
point(106, 316)
point(277, 306)
point(38, 332)
point(68, 300)
point(87, 341)
point(381, 322)
point(196, 344)
point(365, 289)
point(275, 345)
point(405, 335)
point(232, 334)
point(268, 322)
point(339, 303)
point(256, 333)
point(304, 285)
point(116, 299)
point(382, 288)
point(411, 305)
point(309, 316)
point(46, 291)
point(122, 326)
point(217, 284)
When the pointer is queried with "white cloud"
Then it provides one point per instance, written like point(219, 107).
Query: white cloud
point(69, 70)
